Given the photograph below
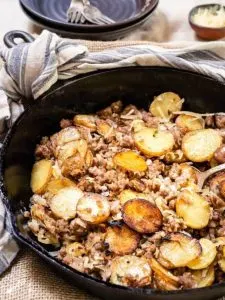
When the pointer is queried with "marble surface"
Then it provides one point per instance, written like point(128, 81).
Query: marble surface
point(176, 11)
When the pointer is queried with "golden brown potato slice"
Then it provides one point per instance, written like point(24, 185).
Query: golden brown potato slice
point(207, 256)
point(193, 208)
point(189, 123)
point(200, 145)
point(88, 121)
point(89, 159)
point(176, 156)
point(66, 151)
point(204, 277)
point(75, 250)
point(73, 166)
point(128, 194)
point(130, 161)
point(55, 185)
point(142, 216)
point(164, 262)
point(64, 203)
point(130, 271)
point(153, 142)
point(93, 208)
point(162, 284)
point(67, 135)
point(180, 249)
point(40, 176)
point(163, 278)
point(137, 125)
point(121, 240)
point(165, 104)
point(104, 129)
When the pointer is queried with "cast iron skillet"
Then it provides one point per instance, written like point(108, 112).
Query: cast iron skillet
point(87, 94)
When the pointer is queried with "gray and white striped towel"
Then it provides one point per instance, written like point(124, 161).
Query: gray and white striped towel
point(31, 69)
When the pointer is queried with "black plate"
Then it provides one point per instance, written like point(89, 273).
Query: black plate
point(125, 12)
point(79, 33)
point(137, 85)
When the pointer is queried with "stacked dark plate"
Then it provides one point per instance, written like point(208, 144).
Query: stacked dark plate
point(128, 14)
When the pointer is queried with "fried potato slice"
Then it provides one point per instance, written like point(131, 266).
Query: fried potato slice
point(128, 194)
point(137, 125)
point(189, 123)
point(176, 156)
point(221, 263)
point(130, 271)
point(88, 121)
point(64, 203)
point(180, 249)
point(73, 166)
point(207, 256)
point(204, 277)
point(55, 185)
point(153, 142)
point(193, 208)
point(66, 151)
point(142, 216)
point(104, 129)
point(66, 135)
point(130, 161)
point(200, 145)
point(75, 250)
point(165, 104)
point(162, 284)
point(93, 208)
point(121, 240)
point(164, 279)
point(40, 176)
point(89, 159)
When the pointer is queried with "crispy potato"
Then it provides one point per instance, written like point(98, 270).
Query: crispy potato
point(93, 208)
point(153, 142)
point(104, 129)
point(180, 249)
point(88, 121)
point(75, 250)
point(128, 194)
point(64, 203)
point(200, 145)
point(40, 176)
point(189, 123)
point(164, 262)
point(165, 104)
point(138, 125)
point(55, 185)
point(73, 166)
point(204, 277)
point(207, 256)
point(66, 151)
point(162, 284)
point(164, 279)
point(121, 240)
point(67, 135)
point(176, 156)
point(193, 208)
point(142, 216)
point(89, 159)
point(130, 271)
point(130, 161)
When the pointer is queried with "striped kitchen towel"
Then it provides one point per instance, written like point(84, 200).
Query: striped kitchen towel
point(29, 70)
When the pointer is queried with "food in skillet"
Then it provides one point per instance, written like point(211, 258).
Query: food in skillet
point(117, 193)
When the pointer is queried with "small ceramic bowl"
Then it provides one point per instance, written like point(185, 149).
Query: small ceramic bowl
point(204, 32)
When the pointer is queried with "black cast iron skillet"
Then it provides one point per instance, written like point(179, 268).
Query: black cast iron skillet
point(87, 94)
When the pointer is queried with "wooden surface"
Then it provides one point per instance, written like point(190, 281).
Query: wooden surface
point(12, 17)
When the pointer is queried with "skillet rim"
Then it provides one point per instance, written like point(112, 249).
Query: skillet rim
point(44, 253)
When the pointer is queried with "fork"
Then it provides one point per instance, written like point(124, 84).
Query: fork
point(81, 11)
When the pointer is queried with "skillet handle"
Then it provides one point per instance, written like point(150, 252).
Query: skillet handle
point(9, 38)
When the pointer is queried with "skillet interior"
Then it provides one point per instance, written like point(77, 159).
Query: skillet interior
point(136, 85)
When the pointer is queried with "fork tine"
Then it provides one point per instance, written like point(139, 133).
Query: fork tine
point(69, 15)
point(82, 19)
point(73, 16)
point(78, 17)
point(102, 20)
point(107, 19)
